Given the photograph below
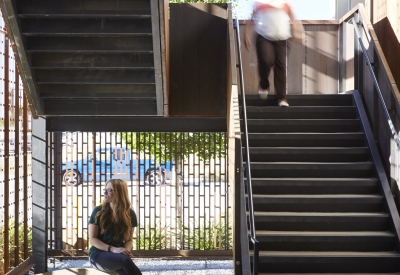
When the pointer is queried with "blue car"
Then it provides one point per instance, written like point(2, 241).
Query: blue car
point(113, 163)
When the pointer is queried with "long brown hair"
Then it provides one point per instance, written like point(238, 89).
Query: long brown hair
point(116, 219)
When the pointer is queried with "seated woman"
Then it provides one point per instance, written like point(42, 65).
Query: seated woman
point(111, 227)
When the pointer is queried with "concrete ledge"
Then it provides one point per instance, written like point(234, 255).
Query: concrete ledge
point(77, 271)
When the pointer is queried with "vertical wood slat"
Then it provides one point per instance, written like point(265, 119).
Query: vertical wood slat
point(7, 156)
point(16, 169)
point(25, 176)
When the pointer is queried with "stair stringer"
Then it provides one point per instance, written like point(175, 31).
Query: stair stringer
point(380, 171)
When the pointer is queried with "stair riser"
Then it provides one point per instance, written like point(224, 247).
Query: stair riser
point(300, 101)
point(84, 7)
point(309, 128)
point(88, 25)
point(301, 115)
point(77, 44)
point(309, 206)
point(329, 264)
point(310, 189)
point(310, 157)
point(327, 243)
point(321, 225)
point(275, 172)
point(306, 142)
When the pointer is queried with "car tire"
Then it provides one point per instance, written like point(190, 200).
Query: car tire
point(154, 178)
point(73, 179)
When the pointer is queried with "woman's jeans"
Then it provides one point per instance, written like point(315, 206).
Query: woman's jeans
point(108, 261)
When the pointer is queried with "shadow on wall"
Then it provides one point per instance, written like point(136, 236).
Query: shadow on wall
point(390, 45)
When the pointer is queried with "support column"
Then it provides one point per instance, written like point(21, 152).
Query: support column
point(39, 195)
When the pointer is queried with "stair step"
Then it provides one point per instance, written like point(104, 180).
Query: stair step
point(314, 185)
point(302, 112)
point(312, 169)
point(89, 44)
point(88, 26)
point(83, 7)
point(309, 154)
point(301, 100)
point(321, 221)
point(318, 203)
point(303, 125)
point(355, 139)
point(91, 61)
point(332, 261)
point(76, 76)
point(325, 241)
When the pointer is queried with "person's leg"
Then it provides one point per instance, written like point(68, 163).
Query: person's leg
point(266, 59)
point(280, 69)
point(108, 261)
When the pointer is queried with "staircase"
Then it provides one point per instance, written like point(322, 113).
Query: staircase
point(88, 58)
point(319, 206)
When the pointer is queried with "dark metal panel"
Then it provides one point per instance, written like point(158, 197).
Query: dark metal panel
point(90, 44)
point(105, 107)
point(123, 76)
point(21, 57)
point(136, 124)
point(113, 90)
point(39, 195)
point(92, 60)
point(198, 58)
point(48, 7)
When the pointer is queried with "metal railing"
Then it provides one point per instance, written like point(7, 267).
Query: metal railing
point(247, 152)
point(371, 70)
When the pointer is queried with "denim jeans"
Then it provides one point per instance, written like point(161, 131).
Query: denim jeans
point(108, 261)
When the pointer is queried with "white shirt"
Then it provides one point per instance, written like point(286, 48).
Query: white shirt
point(271, 19)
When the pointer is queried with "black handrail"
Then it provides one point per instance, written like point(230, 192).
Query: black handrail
point(389, 120)
point(246, 143)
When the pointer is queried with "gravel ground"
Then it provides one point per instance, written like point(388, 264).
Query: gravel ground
point(160, 266)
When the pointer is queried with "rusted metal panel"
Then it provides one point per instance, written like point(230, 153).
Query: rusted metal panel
point(15, 198)
point(198, 59)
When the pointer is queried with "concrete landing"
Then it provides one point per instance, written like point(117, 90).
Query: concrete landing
point(77, 271)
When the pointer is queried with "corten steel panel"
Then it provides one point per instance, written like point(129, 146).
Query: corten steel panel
point(312, 68)
point(198, 60)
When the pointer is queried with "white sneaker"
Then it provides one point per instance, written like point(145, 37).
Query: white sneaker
point(283, 103)
point(263, 93)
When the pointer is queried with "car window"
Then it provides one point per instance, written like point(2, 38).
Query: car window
point(119, 154)
point(103, 155)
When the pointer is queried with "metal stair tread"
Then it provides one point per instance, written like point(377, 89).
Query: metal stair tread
point(311, 273)
point(319, 196)
point(321, 214)
point(87, 68)
point(324, 233)
point(328, 254)
point(83, 15)
point(317, 179)
point(91, 51)
point(308, 163)
point(296, 134)
point(80, 34)
point(303, 108)
point(297, 121)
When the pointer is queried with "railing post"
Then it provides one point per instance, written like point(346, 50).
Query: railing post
point(237, 257)
point(358, 59)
